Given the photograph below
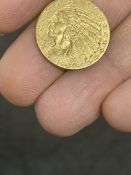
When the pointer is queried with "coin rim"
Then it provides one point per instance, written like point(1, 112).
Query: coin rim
point(85, 65)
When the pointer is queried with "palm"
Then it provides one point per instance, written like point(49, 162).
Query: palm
point(67, 101)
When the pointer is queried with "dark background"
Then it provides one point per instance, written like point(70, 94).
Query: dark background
point(26, 149)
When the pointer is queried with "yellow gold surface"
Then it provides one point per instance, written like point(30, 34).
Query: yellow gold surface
point(72, 34)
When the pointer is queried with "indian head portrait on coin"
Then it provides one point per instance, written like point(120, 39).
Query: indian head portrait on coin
point(72, 34)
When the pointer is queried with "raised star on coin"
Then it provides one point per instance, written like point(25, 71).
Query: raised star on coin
point(72, 34)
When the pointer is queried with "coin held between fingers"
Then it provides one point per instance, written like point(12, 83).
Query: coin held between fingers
point(72, 34)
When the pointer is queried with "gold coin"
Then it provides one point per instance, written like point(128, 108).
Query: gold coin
point(72, 34)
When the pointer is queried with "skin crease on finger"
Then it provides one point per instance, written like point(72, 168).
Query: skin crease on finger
point(74, 100)
point(27, 80)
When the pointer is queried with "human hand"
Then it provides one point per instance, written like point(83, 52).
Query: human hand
point(67, 101)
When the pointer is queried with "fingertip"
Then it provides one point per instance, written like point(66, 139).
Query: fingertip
point(53, 120)
point(117, 110)
point(11, 15)
point(63, 114)
point(14, 14)
point(15, 92)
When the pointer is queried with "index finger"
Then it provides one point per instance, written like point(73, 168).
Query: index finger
point(16, 13)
